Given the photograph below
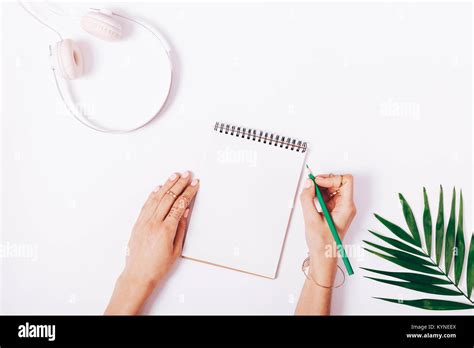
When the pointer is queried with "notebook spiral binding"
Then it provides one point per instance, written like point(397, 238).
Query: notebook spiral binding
point(261, 136)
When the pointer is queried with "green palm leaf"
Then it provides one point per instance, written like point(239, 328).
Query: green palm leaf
point(397, 230)
point(440, 227)
point(430, 304)
point(398, 244)
point(408, 253)
point(408, 265)
point(401, 255)
point(450, 230)
point(470, 268)
point(411, 277)
point(410, 220)
point(426, 288)
point(460, 248)
point(427, 224)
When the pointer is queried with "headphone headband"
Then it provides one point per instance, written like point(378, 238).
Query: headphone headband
point(78, 114)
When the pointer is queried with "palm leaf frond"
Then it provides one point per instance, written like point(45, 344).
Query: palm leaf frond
point(397, 244)
point(426, 274)
point(450, 230)
point(401, 255)
point(440, 227)
point(460, 247)
point(411, 277)
point(396, 230)
point(410, 220)
point(470, 268)
point(407, 264)
point(426, 288)
point(427, 223)
point(431, 304)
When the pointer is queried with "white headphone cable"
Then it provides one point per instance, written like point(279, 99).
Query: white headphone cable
point(82, 119)
point(57, 12)
point(39, 19)
point(89, 124)
point(93, 126)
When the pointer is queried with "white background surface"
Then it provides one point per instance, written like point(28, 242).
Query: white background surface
point(379, 90)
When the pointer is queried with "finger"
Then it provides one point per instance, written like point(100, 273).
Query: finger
point(167, 186)
point(328, 198)
point(310, 213)
point(347, 189)
point(331, 190)
point(155, 197)
point(343, 184)
point(170, 195)
point(327, 181)
point(181, 232)
point(331, 203)
point(149, 205)
point(181, 204)
point(325, 193)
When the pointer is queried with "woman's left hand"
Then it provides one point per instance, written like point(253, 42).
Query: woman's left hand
point(155, 244)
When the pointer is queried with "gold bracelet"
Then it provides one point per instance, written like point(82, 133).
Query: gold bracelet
point(305, 267)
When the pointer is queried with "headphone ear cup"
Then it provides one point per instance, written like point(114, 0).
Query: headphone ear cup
point(69, 59)
point(102, 26)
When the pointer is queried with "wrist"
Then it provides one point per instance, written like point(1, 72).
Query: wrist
point(129, 295)
point(323, 269)
point(135, 284)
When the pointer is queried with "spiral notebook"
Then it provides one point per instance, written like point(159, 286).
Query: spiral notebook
point(248, 184)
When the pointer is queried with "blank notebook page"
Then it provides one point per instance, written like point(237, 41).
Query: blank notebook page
point(246, 196)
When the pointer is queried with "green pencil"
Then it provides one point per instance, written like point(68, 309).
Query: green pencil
point(331, 225)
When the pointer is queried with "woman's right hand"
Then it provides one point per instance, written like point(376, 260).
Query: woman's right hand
point(337, 191)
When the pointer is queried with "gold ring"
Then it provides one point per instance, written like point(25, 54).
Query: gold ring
point(341, 183)
point(333, 194)
point(171, 193)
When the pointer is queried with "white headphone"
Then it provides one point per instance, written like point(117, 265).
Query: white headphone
point(67, 60)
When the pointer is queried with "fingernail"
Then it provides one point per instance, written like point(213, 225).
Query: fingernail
point(308, 183)
point(157, 188)
point(194, 182)
point(186, 213)
point(185, 174)
point(172, 177)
